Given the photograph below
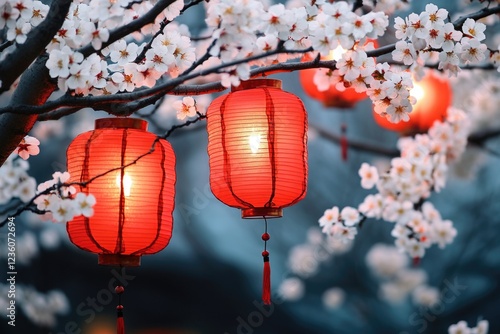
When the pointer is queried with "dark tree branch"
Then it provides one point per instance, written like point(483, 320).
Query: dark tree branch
point(188, 123)
point(112, 103)
point(476, 16)
point(24, 54)
point(360, 146)
point(34, 88)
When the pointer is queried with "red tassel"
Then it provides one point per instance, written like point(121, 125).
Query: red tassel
point(266, 282)
point(343, 142)
point(120, 324)
point(416, 261)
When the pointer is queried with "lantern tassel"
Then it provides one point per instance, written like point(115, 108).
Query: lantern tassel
point(343, 142)
point(120, 324)
point(266, 282)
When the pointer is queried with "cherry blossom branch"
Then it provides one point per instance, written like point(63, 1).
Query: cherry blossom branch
point(5, 45)
point(16, 62)
point(188, 123)
point(165, 22)
point(458, 23)
point(174, 86)
point(131, 27)
point(110, 103)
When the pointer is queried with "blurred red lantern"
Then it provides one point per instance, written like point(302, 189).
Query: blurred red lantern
point(434, 95)
point(257, 146)
point(133, 210)
point(331, 97)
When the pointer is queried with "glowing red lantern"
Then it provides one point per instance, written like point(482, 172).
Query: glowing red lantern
point(331, 97)
point(257, 146)
point(133, 210)
point(434, 95)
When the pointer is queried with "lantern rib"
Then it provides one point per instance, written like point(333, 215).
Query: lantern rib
point(304, 160)
point(119, 248)
point(85, 176)
point(227, 162)
point(160, 203)
point(271, 141)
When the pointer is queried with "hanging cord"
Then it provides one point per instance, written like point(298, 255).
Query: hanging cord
point(266, 282)
point(343, 141)
point(120, 324)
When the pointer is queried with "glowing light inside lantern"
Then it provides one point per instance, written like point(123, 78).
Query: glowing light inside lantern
point(337, 53)
point(254, 141)
point(417, 91)
point(127, 183)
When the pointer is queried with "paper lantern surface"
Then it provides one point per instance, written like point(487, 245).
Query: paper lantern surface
point(134, 205)
point(257, 146)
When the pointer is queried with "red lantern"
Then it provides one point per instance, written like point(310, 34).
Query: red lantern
point(257, 146)
point(434, 95)
point(331, 97)
point(133, 210)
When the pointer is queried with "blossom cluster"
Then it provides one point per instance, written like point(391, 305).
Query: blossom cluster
point(15, 181)
point(427, 35)
point(462, 327)
point(18, 17)
point(400, 281)
point(40, 308)
point(60, 201)
point(404, 189)
point(122, 66)
point(305, 260)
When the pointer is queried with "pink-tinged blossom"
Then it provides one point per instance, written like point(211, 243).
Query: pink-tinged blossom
point(28, 146)
point(473, 51)
point(474, 29)
point(83, 204)
point(350, 216)
point(372, 206)
point(451, 36)
point(436, 16)
point(404, 52)
point(443, 233)
point(185, 108)
point(369, 176)
point(330, 217)
point(401, 27)
point(460, 328)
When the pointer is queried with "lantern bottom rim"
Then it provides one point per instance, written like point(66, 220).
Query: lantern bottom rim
point(255, 213)
point(119, 260)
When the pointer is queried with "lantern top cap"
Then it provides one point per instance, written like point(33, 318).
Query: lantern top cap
point(121, 123)
point(257, 83)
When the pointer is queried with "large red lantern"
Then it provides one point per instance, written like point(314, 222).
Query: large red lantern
point(434, 95)
point(133, 210)
point(257, 146)
point(331, 97)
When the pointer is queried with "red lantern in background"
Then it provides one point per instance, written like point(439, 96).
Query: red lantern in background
point(434, 95)
point(257, 146)
point(331, 97)
point(133, 210)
